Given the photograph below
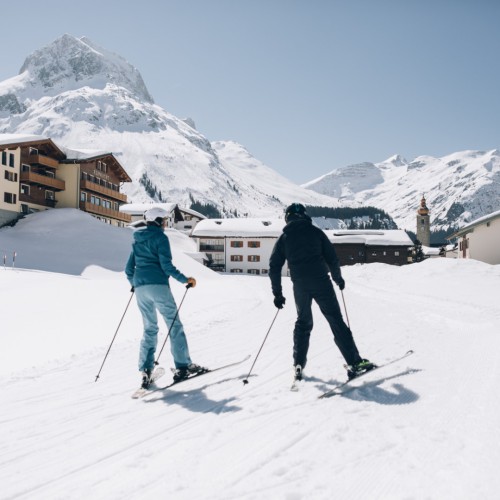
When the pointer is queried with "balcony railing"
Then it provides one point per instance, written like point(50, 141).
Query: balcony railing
point(105, 212)
point(43, 180)
point(40, 160)
point(97, 188)
point(43, 202)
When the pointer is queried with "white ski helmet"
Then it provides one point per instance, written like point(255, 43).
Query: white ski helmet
point(155, 214)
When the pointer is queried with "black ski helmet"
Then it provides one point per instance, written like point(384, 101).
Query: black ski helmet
point(295, 211)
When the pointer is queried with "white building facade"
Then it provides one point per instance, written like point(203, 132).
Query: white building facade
point(239, 246)
point(480, 240)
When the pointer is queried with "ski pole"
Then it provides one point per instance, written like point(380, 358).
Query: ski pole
point(345, 309)
point(119, 324)
point(188, 286)
point(245, 381)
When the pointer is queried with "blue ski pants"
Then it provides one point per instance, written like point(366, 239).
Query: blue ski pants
point(150, 299)
point(322, 292)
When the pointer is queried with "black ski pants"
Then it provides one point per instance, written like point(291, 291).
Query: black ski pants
point(322, 292)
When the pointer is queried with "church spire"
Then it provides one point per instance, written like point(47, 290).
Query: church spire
point(424, 223)
point(423, 210)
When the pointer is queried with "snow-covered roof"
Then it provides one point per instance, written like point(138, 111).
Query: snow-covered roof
point(20, 138)
point(239, 228)
point(468, 228)
point(83, 154)
point(383, 237)
point(430, 250)
point(190, 211)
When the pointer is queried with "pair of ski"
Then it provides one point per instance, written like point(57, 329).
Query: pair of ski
point(337, 390)
point(159, 372)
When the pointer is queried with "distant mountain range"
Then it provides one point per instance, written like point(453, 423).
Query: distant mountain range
point(84, 96)
point(458, 188)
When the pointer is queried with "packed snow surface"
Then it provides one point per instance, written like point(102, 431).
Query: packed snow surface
point(424, 428)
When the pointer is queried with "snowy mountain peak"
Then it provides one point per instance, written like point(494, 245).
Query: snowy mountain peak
point(85, 97)
point(459, 187)
point(69, 63)
point(397, 161)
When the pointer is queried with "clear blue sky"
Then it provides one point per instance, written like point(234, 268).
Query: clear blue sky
point(306, 86)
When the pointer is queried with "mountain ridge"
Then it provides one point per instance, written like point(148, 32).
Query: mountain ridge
point(459, 187)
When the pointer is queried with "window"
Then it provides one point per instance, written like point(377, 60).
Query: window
point(10, 198)
point(8, 159)
point(236, 258)
point(11, 176)
point(49, 195)
point(25, 168)
point(236, 270)
point(396, 253)
point(254, 244)
point(236, 244)
point(102, 166)
point(33, 151)
point(83, 196)
point(265, 271)
point(211, 246)
point(25, 189)
point(254, 271)
point(254, 258)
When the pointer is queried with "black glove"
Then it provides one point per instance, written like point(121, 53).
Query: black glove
point(341, 284)
point(279, 301)
point(132, 289)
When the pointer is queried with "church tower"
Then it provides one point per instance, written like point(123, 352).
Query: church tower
point(424, 224)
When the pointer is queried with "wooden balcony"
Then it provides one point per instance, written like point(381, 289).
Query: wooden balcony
point(43, 202)
point(43, 180)
point(40, 160)
point(97, 188)
point(105, 212)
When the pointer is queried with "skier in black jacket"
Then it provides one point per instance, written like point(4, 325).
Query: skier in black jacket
point(311, 257)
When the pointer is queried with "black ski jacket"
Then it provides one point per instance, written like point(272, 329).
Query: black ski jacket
point(309, 253)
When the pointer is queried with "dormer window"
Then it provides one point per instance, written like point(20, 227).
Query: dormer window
point(102, 166)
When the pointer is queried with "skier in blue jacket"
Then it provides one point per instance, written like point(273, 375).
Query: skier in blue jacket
point(311, 257)
point(148, 270)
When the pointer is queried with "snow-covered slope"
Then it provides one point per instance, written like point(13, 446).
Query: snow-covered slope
point(83, 96)
point(424, 428)
point(459, 187)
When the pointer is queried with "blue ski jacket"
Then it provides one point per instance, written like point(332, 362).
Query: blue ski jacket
point(150, 262)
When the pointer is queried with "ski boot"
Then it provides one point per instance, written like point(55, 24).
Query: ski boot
point(146, 378)
point(188, 371)
point(359, 368)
